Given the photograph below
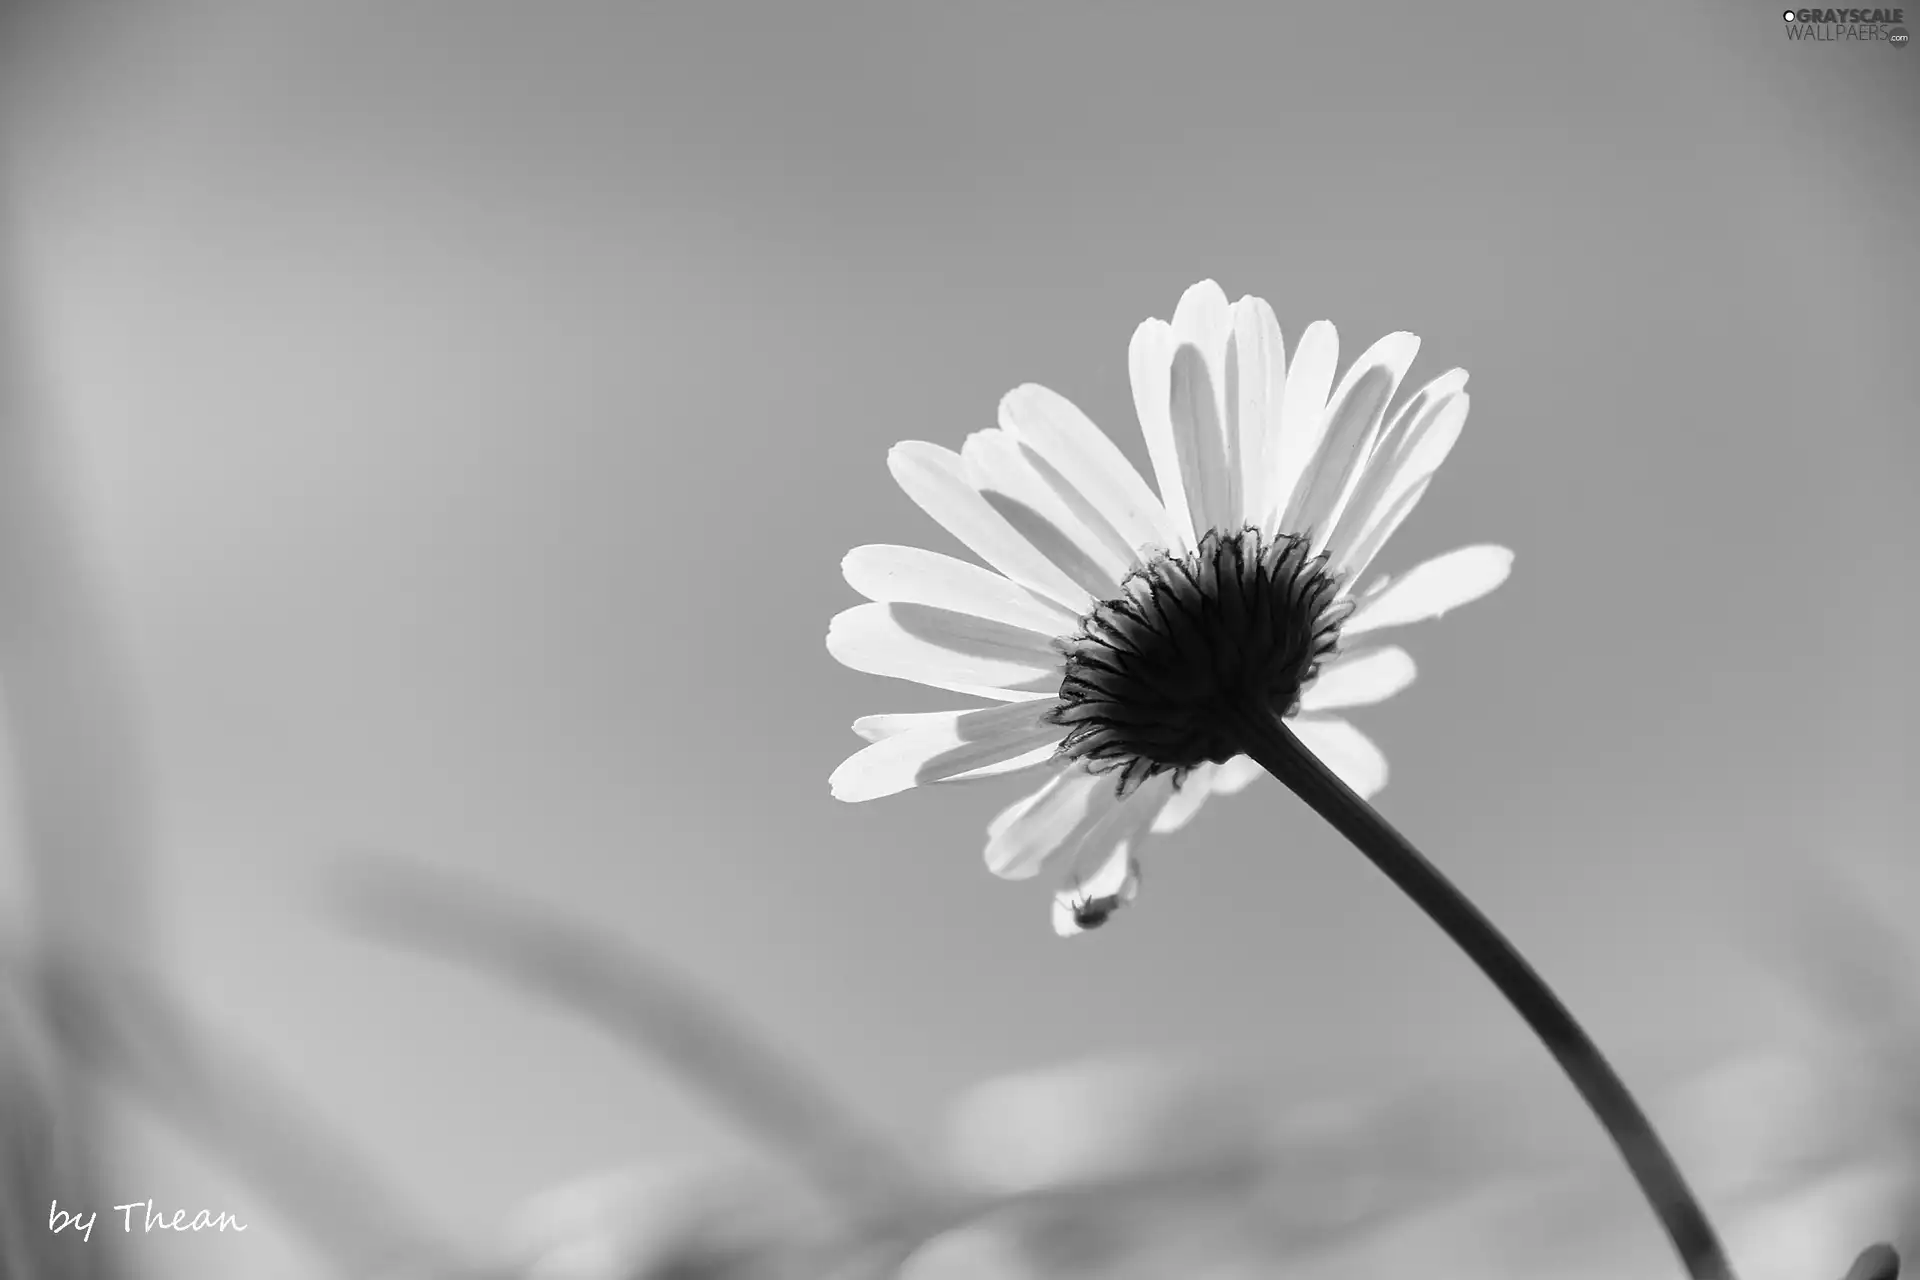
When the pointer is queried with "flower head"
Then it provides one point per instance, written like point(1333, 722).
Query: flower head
point(1121, 633)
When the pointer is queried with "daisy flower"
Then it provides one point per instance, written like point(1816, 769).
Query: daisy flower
point(1121, 633)
point(1144, 651)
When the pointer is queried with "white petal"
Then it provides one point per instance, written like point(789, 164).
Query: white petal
point(1023, 498)
point(1029, 833)
point(1303, 414)
point(1040, 760)
point(1257, 356)
point(936, 480)
point(1427, 442)
point(1088, 460)
point(1410, 450)
point(1407, 473)
point(1358, 408)
point(1120, 829)
point(1199, 437)
point(940, 648)
point(1204, 321)
point(1423, 450)
point(1431, 589)
point(1022, 692)
point(1359, 680)
point(1115, 877)
point(1150, 369)
point(954, 744)
point(1203, 318)
point(1236, 775)
point(1179, 810)
point(1346, 751)
point(892, 724)
point(1377, 534)
point(1114, 550)
point(908, 575)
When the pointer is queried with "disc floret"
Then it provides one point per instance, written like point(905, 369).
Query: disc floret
point(1157, 679)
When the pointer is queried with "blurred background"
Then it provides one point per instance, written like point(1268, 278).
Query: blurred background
point(458, 413)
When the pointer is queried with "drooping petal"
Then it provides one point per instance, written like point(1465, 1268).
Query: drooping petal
point(1345, 750)
point(1113, 876)
point(952, 743)
point(1116, 877)
point(1031, 832)
point(1404, 455)
point(936, 480)
point(941, 648)
point(1303, 415)
point(1023, 498)
point(1359, 680)
point(1185, 802)
point(1088, 460)
point(1257, 358)
point(1122, 828)
point(1150, 369)
point(1358, 408)
point(908, 575)
point(1206, 467)
point(1433, 588)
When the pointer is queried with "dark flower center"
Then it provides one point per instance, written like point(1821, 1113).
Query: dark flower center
point(1156, 678)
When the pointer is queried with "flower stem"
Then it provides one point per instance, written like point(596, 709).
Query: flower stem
point(1272, 744)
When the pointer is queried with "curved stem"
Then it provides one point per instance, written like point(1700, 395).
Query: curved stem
point(1271, 743)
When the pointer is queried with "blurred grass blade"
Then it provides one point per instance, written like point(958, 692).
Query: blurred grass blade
point(36, 1156)
point(67, 725)
point(125, 1028)
point(645, 1003)
point(1878, 1263)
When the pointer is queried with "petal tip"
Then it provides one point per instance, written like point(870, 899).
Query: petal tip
point(856, 781)
point(1207, 290)
point(1499, 562)
point(1151, 330)
point(907, 451)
